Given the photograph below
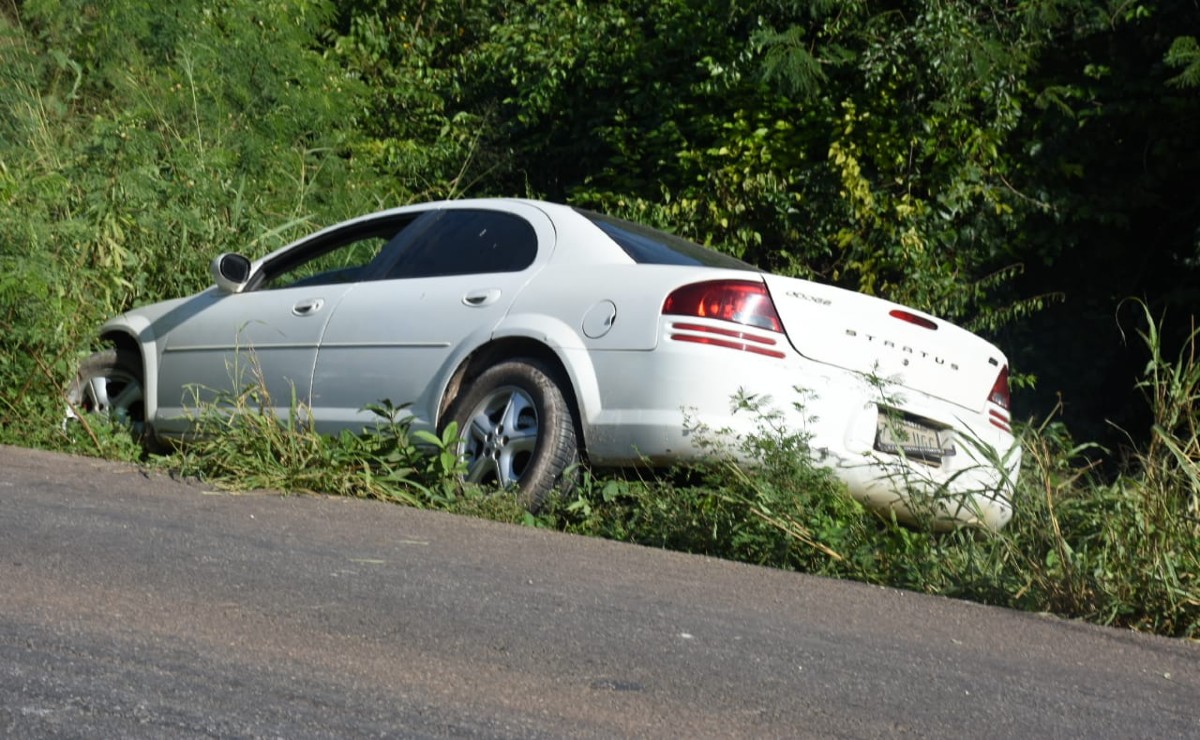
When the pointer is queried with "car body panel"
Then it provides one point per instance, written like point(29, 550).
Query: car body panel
point(382, 343)
point(222, 350)
point(857, 332)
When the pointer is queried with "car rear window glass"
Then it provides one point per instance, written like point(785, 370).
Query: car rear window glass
point(653, 247)
point(468, 241)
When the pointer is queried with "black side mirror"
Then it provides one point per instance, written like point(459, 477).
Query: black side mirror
point(231, 272)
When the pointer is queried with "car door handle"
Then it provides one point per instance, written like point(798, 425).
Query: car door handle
point(308, 306)
point(482, 297)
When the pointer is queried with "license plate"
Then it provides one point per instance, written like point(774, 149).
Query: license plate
point(913, 438)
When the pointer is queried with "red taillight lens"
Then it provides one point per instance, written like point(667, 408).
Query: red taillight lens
point(1001, 397)
point(1000, 394)
point(740, 301)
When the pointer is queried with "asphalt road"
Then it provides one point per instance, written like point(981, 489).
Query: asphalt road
point(136, 606)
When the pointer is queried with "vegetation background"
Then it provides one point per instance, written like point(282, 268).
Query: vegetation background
point(1022, 167)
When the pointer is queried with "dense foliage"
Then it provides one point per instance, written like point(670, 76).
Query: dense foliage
point(138, 140)
point(1022, 168)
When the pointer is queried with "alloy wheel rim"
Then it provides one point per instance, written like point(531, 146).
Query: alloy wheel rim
point(500, 438)
point(117, 395)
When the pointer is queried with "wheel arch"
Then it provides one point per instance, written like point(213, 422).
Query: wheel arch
point(123, 340)
point(125, 336)
point(570, 369)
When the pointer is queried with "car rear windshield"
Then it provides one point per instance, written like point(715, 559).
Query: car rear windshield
point(653, 247)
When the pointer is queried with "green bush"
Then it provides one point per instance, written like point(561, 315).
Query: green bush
point(137, 141)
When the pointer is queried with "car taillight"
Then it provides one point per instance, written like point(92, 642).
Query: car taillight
point(736, 301)
point(1000, 394)
point(912, 318)
point(740, 301)
point(1002, 397)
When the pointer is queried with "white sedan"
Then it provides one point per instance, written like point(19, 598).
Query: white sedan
point(553, 335)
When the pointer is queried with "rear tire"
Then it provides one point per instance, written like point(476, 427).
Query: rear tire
point(517, 430)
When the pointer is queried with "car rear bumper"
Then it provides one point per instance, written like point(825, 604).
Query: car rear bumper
point(676, 404)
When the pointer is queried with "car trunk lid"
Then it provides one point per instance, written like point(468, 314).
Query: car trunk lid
point(895, 343)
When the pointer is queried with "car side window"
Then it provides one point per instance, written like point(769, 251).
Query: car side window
point(344, 256)
point(468, 241)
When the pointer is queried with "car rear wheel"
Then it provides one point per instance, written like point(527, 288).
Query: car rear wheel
point(109, 383)
point(517, 430)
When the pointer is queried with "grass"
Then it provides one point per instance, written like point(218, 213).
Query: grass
point(240, 444)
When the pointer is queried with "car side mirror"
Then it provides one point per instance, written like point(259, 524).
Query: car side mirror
point(231, 272)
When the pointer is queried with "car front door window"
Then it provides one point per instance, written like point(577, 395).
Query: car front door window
point(347, 255)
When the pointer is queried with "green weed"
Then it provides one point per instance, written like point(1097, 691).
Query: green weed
point(239, 443)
